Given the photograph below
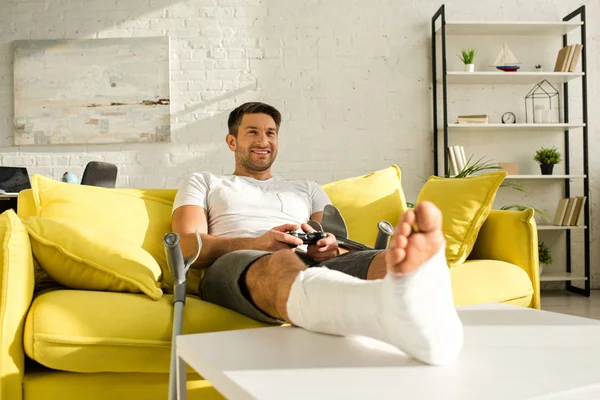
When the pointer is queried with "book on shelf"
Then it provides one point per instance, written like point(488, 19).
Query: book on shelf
point(456, 155)
point(561, 209)
point(568, 58)
point(569, 212)
point(472, 119)
point(453, 164)
point(578, 212)
point(576, 56)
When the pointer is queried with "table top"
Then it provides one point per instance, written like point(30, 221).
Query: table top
point(509, 353)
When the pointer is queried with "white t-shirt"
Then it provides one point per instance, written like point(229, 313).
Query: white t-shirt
point(239, 206)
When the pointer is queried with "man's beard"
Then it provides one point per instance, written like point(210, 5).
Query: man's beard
point(246, 161)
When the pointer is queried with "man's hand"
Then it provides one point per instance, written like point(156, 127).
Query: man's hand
point(277, 239)
point(324, 249)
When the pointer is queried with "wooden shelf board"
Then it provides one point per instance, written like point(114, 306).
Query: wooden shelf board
point(534, 177)
point(563, 276)
point(558, 228)
point(509, 28)
point(513, 127)
point(525, 77)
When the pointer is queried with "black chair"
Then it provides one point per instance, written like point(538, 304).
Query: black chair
point(98, 173)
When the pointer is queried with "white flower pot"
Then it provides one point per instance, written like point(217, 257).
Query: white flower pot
point(469, 67)
point(541, 268)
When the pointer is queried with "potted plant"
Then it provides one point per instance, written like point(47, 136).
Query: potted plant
point(538, 68)
point(544, 255)
point(467, 56)
point(547, 158)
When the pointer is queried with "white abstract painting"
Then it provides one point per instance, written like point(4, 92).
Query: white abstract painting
point(91, 91)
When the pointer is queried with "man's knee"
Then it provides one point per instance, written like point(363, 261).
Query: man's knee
point(271, 268)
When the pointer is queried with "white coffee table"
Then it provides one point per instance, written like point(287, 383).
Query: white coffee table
point(509, 353)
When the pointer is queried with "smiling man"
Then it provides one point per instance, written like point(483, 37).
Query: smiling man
point(401, 295)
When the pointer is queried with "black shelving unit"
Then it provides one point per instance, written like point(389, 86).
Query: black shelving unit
point(439, 33)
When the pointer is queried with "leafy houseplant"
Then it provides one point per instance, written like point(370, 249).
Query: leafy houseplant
point(467, 56)
point(547, 157)
point(544, 255)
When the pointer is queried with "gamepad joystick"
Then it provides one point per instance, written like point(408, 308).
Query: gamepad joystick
point(308, 237)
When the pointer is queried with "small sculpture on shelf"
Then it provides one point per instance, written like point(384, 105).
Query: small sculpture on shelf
point(506, 60)
point(547, 158)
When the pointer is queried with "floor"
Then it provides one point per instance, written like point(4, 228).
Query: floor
point(573, 304)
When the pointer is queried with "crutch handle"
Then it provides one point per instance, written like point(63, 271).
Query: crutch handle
point(176, 265)
point(385, 230)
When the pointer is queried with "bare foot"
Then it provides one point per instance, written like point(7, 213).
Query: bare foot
point(409, 249)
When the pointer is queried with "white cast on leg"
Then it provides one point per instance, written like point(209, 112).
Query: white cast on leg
point(414, 312)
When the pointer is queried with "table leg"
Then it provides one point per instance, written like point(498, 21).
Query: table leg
point(181, 379)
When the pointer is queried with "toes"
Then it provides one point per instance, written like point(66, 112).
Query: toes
point(394, 257)
point(428, 217)
point(398, 241)
point(404, 229)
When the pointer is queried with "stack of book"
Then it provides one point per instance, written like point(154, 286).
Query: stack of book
point(567, 58)
point(570, 211)
point(472, 119)
point(458, 161)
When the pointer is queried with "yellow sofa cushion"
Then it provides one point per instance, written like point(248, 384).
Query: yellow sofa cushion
point(465, 204)
point(16, 291)
point(135, 215)
point(490, 281)
point(83, 257)
point(89, 331)
point(365, 200)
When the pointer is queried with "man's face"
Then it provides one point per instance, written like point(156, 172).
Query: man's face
point(256, 144)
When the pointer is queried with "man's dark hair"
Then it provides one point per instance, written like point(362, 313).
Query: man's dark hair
point(235, 117)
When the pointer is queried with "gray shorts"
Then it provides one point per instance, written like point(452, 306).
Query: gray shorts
point(222, 284)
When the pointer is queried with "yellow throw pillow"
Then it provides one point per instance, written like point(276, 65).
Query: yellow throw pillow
point(16, 291)
point(465, 204)
point(80, 256)
point(365, 200)
point(135, 215)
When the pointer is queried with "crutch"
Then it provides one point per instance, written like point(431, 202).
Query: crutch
point(178, 266)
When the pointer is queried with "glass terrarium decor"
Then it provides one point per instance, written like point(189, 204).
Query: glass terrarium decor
point(542, 104)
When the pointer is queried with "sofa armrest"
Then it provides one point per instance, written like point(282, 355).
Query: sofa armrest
point(17, 280)
point(511, 236)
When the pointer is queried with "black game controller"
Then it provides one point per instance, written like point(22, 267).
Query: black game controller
point(308, 237)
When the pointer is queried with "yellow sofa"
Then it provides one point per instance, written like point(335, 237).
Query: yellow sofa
point(76, 344)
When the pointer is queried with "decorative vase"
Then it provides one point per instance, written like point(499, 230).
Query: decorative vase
point(469, 67)
point(541, 268)
point(70, 177)
point(547, 169)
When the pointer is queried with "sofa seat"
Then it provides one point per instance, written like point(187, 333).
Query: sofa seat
point(88, 331)
point(490, 281)
point(58, 385)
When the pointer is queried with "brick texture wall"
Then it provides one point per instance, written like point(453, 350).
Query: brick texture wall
point(352, 79)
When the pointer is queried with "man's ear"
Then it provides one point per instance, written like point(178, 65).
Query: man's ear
point(231, 141)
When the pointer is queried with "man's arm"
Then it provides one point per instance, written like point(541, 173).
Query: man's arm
point(187, 219)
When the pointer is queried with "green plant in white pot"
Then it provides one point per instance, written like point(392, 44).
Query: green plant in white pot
point(544, 255)
point(547, 157)
point(467, 56)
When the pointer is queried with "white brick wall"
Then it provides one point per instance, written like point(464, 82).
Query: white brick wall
point(352, 79)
